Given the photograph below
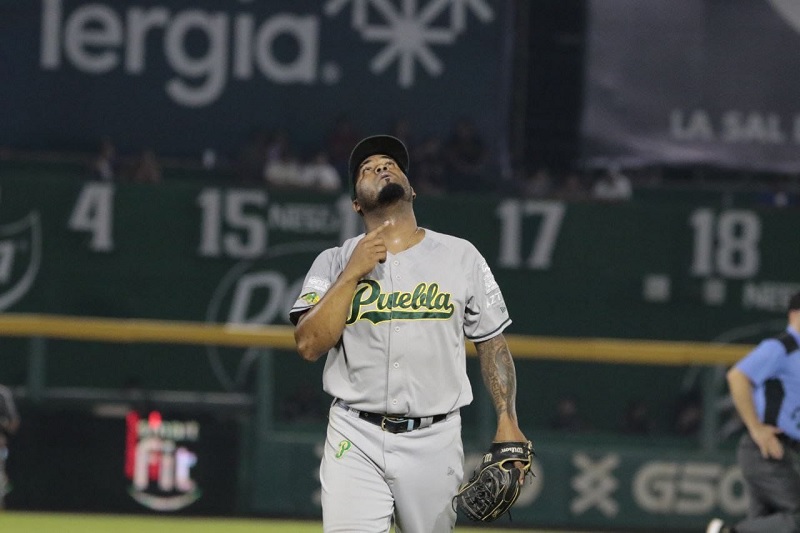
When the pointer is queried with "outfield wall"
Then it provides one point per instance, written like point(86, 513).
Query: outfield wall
point(207, 252)
point(66, 461)
point(210, 252)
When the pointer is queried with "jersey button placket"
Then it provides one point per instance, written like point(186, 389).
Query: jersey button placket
point(394, 382)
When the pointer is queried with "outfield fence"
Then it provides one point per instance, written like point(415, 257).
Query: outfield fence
point(645, 352)
point(243, 423)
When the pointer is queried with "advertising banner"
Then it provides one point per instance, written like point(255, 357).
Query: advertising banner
point(182, 76)
point(146, 461)
point(177, 463)
point(693, 82)
point(611, 486)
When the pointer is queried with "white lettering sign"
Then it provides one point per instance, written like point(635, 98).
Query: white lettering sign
point(690, 488)
point(96, 39)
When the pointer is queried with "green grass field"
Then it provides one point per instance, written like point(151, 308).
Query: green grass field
point(18, 522)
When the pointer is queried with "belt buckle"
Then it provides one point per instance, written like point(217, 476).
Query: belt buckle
point(392, 419)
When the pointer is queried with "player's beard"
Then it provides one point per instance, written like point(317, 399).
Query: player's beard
point(390, 194)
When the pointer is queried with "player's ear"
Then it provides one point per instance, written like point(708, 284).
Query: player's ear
point(413, 194)
point(357, 208)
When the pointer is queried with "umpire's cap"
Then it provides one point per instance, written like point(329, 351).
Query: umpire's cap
point(377, 144)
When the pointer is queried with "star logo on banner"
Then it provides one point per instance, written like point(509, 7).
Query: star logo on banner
point(409, 30)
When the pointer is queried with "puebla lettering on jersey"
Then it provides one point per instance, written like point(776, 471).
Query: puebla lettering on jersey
point(425, 302)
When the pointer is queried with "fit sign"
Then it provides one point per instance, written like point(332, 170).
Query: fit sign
point(159, 461)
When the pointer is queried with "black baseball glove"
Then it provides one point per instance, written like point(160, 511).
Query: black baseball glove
point(495, 483)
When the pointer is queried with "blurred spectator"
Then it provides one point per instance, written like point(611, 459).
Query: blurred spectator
point(539, 184)
point(341, 140)
point(283, 168)
point(401, 128)
point(208, 159)
point(778, 195)
point(572, 188)
point(637, 419)
point(9, 423)
point(567, 417)
point(147, 169)
point(319, 174)
point(252, 158)
point(466, 157)
point(105, 165)
point(651, 176)
point(278, 146)
point(612, 185)
point(688, 415)
point(427, 170)
point(781, 199)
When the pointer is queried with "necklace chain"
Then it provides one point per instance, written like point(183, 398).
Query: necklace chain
point(410, 237)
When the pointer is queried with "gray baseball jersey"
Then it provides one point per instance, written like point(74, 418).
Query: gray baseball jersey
point(402, 350)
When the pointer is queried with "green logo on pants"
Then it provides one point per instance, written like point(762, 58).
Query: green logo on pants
point(343, 447)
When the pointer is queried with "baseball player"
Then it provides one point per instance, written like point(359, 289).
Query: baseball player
point(9, 422)
point(765, 388)
point(391, 309)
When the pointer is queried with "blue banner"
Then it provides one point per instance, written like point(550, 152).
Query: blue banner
point(693, 82)
point(183, 76)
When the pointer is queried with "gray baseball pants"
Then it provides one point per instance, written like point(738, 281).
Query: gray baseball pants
point(371, 478)
point(774, 487)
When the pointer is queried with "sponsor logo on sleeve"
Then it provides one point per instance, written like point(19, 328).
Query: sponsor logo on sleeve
point(310, 298)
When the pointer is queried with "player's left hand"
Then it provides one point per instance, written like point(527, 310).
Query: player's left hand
point(493, 488)
point(508, 431)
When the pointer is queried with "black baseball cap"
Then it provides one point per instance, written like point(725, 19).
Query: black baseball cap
point(794, 302)
point(377, 144)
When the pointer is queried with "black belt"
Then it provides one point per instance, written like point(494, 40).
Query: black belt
point(789, 441)
point(390, 423)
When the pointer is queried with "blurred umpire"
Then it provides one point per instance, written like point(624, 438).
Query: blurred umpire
point(765, 388)
point(9, 422)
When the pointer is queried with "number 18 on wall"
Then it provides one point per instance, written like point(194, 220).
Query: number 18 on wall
point(725, 243)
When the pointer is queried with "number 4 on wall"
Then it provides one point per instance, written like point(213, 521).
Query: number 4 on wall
point(94, 212)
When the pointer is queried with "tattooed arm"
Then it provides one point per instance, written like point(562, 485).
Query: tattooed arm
point(500, 378)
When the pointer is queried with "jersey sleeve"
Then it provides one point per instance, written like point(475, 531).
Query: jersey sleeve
point(316, 284)
point(485, 313)
point(763, 362)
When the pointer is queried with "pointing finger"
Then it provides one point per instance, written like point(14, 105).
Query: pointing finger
point(382, 227)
